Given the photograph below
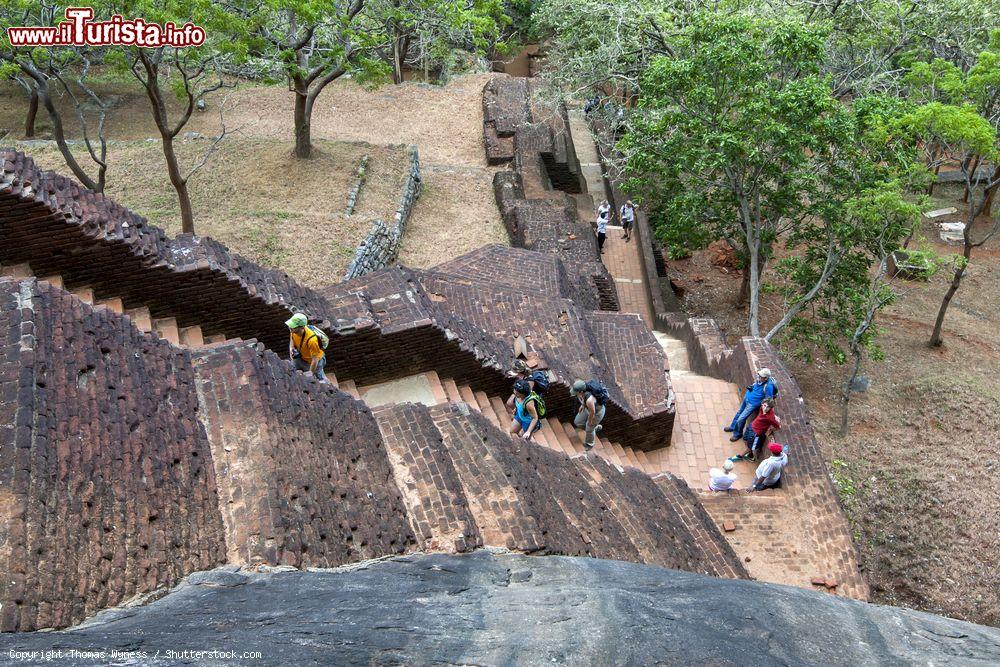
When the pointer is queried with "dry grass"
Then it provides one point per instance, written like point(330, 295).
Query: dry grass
point(253, 196)
point(456, 212)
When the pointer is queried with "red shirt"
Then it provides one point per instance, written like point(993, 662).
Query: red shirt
point(764, 422)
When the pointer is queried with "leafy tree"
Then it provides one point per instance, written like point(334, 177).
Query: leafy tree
point(963, 131)
point(437, 26)
point(47, 73)
point(739, 133)
point(316, 42)
point(186, 74)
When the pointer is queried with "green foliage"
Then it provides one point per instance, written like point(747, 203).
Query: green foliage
point(960, 128)
point(738, 136)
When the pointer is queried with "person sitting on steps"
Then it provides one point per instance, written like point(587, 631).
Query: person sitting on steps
point(722, 480)
point(764, 424)
point(592, 397)
point(525, 411)
point(763, 388)
point(768, 475)
point(305, 346)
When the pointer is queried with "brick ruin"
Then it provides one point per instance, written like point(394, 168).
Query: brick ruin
point(544, 210)
point(129, 459)
point(133, 453)
point(542, 198)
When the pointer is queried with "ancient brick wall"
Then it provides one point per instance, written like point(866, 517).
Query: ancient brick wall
point(90, 240)
point(380, 247)
point(425, 475)
point(106, 483)
point(303, 475)
point(534, 204)
point(534, 499)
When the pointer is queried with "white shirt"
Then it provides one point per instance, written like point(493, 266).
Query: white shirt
point(720, 480)
point(769, 470)
point(602, 219)
point(628, 213)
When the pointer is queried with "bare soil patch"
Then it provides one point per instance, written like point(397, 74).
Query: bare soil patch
point(254, 197)
point(919, 475)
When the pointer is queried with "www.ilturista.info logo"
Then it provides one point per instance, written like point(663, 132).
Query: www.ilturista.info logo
point(80, 30)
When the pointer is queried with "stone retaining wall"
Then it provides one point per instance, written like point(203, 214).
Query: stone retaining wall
point(380, 247)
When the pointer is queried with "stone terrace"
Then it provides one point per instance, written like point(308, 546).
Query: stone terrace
point(543, 198)
point(128, 462)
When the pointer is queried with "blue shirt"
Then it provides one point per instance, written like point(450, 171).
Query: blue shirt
point(758, 392)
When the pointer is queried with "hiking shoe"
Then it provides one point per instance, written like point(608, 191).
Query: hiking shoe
point(735, 437)
point(727, 429)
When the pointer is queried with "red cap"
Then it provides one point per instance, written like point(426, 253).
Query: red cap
point(775, 448)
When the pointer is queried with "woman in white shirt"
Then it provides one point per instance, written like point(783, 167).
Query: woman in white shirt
point(603, 213)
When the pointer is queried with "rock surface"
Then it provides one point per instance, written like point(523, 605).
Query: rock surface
point(500, 609)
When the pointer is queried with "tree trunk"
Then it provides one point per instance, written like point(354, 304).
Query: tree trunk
point(975, 166)
point(934, 156)
point(59, 134)
point(744, 293)
point(845, 425)
point(754, 270)
point(29, 121)
point(179, 183)
point(303, 120)
point(397, 60)
point(988, 204)
point(956, 282)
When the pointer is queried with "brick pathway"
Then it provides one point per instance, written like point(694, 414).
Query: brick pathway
point(623, 260)
point(783, 536)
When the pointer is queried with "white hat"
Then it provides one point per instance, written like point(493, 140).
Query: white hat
point(727, 466)
point(764, 372)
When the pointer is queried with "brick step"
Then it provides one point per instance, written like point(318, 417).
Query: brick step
point(553, 434)
point(165, 327)
point(16, 271)
point(191, 336)
point(85, 294)
point(350, 387)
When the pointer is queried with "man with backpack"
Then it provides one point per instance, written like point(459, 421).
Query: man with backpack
point(593, 397)
point(306, 346)
point(764, 387)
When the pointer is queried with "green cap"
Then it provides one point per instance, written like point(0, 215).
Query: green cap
point(297, 320)
point(577, 387)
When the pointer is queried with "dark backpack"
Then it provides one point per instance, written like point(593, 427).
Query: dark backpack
point(539, 403)
point(541, 381)
point(597, 390)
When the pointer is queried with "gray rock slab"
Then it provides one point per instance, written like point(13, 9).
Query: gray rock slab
point(505, 609)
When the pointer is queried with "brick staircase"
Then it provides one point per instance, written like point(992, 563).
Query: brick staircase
point(164, 327)
point(560, 436)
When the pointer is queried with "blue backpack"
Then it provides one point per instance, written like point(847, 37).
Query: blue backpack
point(598, 391)
point(541, 381)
